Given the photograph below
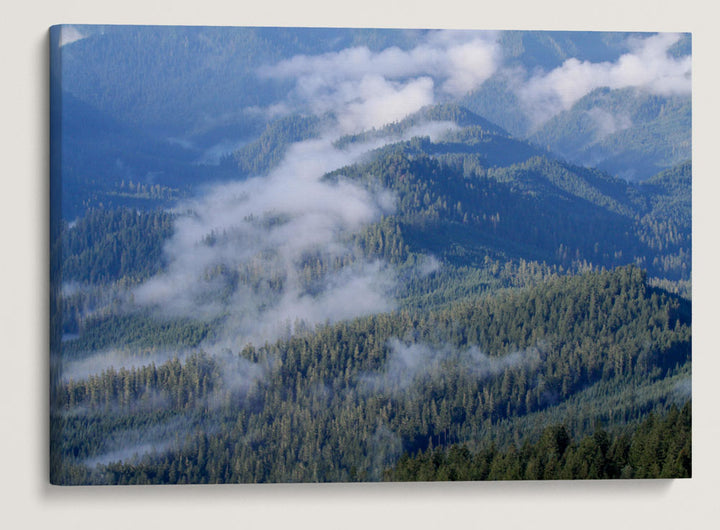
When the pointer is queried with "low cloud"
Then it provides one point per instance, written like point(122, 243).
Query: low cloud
point(683, 388)
point(435, 130)
point(70, 34)
point(427, 265)
point(385, 448)
point(133, 444)
point(269, 250)
point(374, 88)
point(460, 59)
point(607, 123)
point(410, 363)
point(214, 154)
point(648, 66)
point(375, 101)
point(116, 359)
point(377, 87)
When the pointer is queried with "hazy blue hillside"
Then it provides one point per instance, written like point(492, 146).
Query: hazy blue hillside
point(625, 132)
point(537, 51)
point(628, 132)
point(185, 81)
point(154, 104)
point(104, 161)
point(549, 49)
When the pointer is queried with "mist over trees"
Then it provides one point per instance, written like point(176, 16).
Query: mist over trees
point(312, 255)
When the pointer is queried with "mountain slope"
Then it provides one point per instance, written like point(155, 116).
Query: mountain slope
point(539, 210)
point(625, 132)
point(343, 403)
point(176, 81)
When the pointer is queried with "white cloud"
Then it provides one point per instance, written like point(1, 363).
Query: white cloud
point(69, 34)
point(470, 64)
point(377, 102)
point(373, 88)
point(116, 359)
point(648, 66)
point(606, 123)
point(246, 249)
point(443, 54)
point(407, 364)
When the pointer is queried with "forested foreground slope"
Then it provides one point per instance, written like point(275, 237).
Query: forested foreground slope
point(346, 401)
point(660, 447)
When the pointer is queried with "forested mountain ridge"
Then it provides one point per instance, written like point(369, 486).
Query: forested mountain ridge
point(485, 194)
point(108, 245)
point(624, 132)
point(108, 164)
point(312, 255)
point(481, 222)
point(455, 207)
point(257, 157)
point(168, 101)
point(627, 131)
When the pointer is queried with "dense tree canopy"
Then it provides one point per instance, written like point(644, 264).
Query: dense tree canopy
point(345, 401)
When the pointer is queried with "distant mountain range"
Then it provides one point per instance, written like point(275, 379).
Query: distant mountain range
point(194, 96)
point(624, 132)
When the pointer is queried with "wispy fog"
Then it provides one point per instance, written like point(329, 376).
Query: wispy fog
point(648, 66)
point(268, 252)
point(375, 88)
point(607, 123)
point(117, 359)
point(131, 444)
point(271, 249)
point(408, 363)
point(69, 34)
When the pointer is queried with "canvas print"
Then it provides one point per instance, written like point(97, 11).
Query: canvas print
point(353, 255)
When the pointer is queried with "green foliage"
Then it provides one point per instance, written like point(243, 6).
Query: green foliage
point(626, 132)
point(539, 210)
point(102, 331)
point(182, 385)
point(267, 151)
point(107, 245)
point(500, 342)
point(658, 448)
point(336, 404)
point(543, 320)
